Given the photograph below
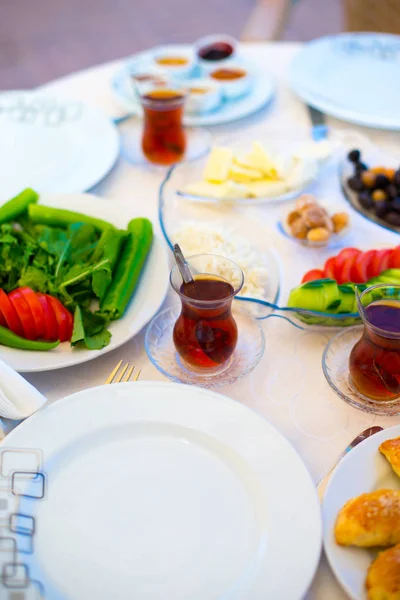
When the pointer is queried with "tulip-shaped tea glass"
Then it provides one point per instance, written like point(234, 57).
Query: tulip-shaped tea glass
point(375, 359)
point(205, 334)
point(164, 138)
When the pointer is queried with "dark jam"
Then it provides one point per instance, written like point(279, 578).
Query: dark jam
point(164, 140)
point(216, 51)
point(375, 359)
point(205, 334)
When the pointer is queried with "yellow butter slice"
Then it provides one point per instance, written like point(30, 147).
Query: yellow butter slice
point(218, 165)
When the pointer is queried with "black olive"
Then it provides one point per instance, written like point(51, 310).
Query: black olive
point(355, 184)
point(395, 204)
point(392, 190)
point(397, 177)
point(381, 208)
point(393, 218)
point(365, 199)
point(354, 156)
point(381, 182)
point(359, 167)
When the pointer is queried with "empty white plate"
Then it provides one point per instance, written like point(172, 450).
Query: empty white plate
point(53, 145)
point(165, 491)
point(351, 76)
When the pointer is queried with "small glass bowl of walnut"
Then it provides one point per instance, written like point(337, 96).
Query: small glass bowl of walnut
point(313, 224)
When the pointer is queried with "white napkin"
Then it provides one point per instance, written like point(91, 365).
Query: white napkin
point(18, 398)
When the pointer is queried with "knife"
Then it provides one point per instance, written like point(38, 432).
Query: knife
point(360, 438)
point(319, 129)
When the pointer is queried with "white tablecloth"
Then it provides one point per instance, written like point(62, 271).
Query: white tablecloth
point(288, 387)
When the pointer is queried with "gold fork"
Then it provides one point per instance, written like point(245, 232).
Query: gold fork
point(117, 374)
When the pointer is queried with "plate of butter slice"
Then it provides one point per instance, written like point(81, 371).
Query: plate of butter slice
point(252, 172)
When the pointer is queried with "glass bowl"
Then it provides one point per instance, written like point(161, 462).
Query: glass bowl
point(162, 353)
point(336, 240)
point(371, 156)
point(335, 365)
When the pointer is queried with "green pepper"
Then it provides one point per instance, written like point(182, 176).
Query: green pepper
point(11, 339)
point(59, 217)
point(109, 246)
point(17, 205)
point(129, 268)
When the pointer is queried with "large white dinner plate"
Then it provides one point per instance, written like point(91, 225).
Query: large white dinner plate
point(352, 76)
point(163, 491)
point(229, 110)
point(53, 145)
point(364, 469)
point(147, 299)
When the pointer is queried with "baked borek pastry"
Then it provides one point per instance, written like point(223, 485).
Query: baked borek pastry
point(369, 520)
point(383, 579)
point(391, 450)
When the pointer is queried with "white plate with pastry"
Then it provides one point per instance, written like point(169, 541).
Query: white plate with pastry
point(161, 490)
point(361, 519)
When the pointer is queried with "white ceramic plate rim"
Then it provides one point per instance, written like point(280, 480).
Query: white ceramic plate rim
point(96, 165)
point(262, 94)
point(29, 361)
point(372, 461)
point(324, 104)
point(272, 459)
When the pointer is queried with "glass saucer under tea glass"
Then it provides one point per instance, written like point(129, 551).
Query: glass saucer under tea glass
point(161, 350)
point(335, 365)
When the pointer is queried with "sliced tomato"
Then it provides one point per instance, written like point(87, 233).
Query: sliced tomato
point(380, 262)
point(50, 321)
point(394, 262)
point(312, 275)
point(347, 269)
point(63, 318)
point(330, 268)
point(343, 258)
point(362, 267)
point(36, 309)
point(9, 314)
point(24, 313)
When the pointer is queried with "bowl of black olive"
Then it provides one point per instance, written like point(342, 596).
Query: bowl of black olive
point(374, 191)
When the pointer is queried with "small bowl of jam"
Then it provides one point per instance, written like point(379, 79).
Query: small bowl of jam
point(234, 79)
point(213, 51)
point(203, 96)
point(174, 63)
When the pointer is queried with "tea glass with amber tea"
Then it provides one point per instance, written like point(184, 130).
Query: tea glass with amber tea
point(164, 138)
point(205, 334)
point(375, 359)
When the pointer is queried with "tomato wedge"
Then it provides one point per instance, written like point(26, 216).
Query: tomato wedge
point(24, 313)
point(394, 262)
point(50, 321)
point(10, 314)
point(360, 271)
point(312, 275)
point(330, 268)
point(62, 317)
point(380, 262)
point(347, 268)
point(36, 309)
point(342, 259)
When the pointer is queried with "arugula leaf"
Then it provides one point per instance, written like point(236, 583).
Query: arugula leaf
point(89, 330)
point(34, 278)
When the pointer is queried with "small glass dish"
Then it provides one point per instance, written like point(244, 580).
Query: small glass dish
point(335, 240)
point(162, 352)
point(335, 365)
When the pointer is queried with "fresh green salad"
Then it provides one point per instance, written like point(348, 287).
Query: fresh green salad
point(87, 264)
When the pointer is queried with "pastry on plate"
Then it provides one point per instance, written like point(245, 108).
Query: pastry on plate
point(369, 520)
point(391, 450)
point(383, 579)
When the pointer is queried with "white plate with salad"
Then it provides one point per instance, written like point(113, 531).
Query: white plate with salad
point(83, 268)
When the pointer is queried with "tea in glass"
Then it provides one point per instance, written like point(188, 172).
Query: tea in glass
point(164, 139)
point(205, 334)
point(375, 359)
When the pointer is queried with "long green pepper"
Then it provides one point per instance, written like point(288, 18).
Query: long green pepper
point(130, 265)
point(11, 339)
